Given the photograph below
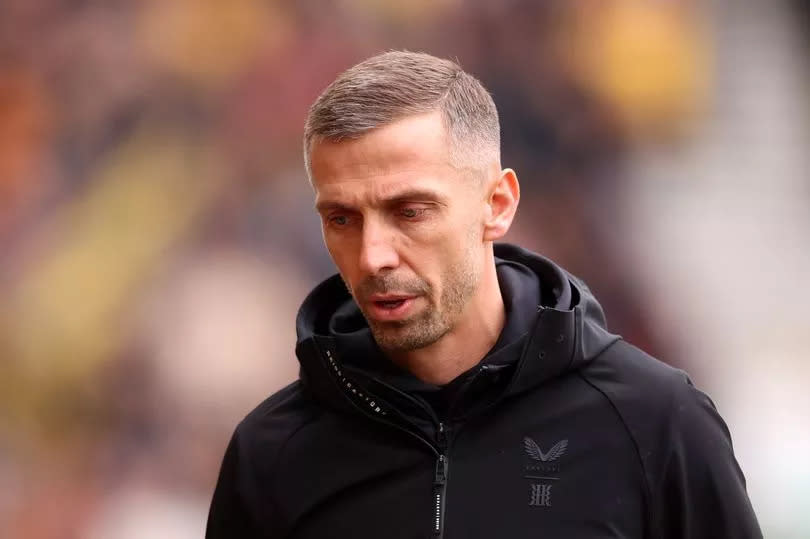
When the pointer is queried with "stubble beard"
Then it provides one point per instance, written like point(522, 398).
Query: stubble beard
point(435, 320)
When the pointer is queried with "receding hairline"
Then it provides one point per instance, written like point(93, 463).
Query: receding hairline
point(391, 86)
point(404, 141)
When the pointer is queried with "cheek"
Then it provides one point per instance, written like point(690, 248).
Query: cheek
point(461, 235)
point(445, 253)
point(342, 255)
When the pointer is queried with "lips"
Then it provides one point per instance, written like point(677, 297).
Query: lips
point(390, 304)
point(390, 307)
point(389, 299)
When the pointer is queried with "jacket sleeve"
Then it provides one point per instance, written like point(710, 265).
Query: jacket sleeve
point(230, 514)
point(702, 492)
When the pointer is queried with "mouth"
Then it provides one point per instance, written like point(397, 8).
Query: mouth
point(390, 303)
point(390, 308)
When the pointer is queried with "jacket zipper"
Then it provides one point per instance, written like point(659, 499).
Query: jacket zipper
point(440, 472)
point(442, 460)
point(439, 476)
point(439, 495)
point(439, 449)
point(440, 484)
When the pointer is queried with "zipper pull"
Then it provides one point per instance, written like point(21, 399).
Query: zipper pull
point(440, 477)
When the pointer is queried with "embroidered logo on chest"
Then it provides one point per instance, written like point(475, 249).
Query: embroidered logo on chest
point(543, 466)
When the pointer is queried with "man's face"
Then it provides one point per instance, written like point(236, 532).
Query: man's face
point(404, 228)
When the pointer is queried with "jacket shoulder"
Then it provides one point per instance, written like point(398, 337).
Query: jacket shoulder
point(260, 438)
point(695, 486)
point(650, 397)
point(243, 500)
point(627, 373)
point(278, 417)
point(646, 394)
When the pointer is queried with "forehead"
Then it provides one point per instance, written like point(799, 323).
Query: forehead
point(408, 153)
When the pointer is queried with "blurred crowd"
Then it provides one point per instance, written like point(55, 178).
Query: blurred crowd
point(157, 230)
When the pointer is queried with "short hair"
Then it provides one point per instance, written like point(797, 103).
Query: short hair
point(396, 84)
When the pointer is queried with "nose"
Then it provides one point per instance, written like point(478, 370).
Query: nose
point(377, 252)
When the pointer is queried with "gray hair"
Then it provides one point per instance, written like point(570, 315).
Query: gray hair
point(396, 84)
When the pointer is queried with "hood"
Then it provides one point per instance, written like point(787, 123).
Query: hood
point(565, 329)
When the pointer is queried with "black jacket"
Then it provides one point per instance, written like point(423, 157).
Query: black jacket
point(563, 431)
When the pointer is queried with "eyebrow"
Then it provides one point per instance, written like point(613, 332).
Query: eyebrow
point(393, 200)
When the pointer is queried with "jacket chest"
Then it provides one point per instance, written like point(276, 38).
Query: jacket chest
point(515, 473)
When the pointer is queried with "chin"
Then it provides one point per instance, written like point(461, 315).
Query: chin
point(400, 340)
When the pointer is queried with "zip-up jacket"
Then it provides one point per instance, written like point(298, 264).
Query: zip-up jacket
point(564, 430)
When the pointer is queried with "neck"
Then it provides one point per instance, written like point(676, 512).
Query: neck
point(463, 347)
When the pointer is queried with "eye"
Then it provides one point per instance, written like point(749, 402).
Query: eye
point(412, 212)
point(338, 220)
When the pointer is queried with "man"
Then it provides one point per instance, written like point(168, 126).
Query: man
point(453, 388)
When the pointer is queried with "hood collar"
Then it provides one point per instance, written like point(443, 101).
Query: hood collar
point(569, 330)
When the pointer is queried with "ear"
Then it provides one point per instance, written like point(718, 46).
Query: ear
point(502, 203)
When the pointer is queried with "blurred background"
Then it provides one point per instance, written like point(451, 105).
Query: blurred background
point(157, 232)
